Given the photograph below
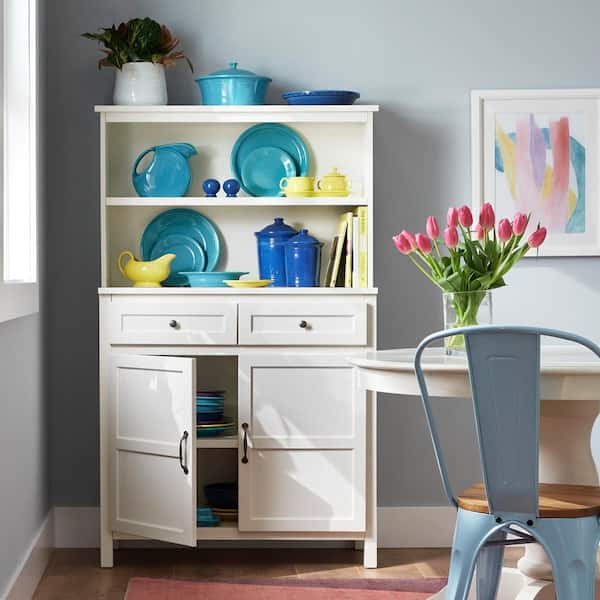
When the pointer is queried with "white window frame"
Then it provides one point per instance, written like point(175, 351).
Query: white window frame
point(19, 285)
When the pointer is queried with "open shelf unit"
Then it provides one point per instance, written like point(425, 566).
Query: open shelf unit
point(335, 136)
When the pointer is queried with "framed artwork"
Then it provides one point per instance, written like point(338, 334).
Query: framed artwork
point(536, 152)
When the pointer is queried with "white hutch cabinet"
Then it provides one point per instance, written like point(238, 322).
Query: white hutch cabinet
point(306, 430)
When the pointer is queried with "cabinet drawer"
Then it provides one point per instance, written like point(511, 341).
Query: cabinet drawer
point(168, 323)
point(303, 324)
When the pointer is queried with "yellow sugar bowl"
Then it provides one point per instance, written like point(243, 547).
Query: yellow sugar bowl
point(334, 184)
point(146, 274)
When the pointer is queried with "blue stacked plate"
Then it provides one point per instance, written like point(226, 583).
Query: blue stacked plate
point(205, 517)
point(209, 407)
point(189, 235)
point(315, 97)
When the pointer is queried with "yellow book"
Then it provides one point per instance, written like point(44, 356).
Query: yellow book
point(363, 238)
point(348, 250)
point(341, 236)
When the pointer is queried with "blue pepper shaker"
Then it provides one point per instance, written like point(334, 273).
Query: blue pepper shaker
point(271, 252)
point(303, 260)
point(231, 187)
point(211, 187)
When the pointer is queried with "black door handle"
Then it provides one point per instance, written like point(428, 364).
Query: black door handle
point(245, 457)
point(184, 438)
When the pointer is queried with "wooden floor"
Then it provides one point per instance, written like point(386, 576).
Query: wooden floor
point(75, 574)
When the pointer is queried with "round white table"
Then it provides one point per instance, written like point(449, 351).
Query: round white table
point(569, 428)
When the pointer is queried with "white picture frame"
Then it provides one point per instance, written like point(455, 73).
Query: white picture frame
point(536, 130)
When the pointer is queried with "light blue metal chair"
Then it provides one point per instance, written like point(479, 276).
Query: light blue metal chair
point(504, 369)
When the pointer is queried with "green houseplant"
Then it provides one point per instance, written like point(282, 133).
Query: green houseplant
point(139, 49)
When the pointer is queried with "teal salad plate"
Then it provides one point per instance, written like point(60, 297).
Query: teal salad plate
point(263, 169)
point(272, 135)
point(211, 279)
point(190, 255)
point(186, 223)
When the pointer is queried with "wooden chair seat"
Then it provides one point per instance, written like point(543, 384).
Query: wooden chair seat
point(556, 500)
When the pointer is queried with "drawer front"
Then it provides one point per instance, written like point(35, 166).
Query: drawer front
point(303, 324)
point(174, 323)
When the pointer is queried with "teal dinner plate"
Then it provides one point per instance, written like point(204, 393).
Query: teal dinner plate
point(189, 256)
point(187, 222)
point(263, 169)
point(272, 135)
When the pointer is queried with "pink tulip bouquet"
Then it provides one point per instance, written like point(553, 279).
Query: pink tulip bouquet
point(466, 263)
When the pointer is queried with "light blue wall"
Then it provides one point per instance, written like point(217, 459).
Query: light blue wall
point(419, 59)
point(23, 448)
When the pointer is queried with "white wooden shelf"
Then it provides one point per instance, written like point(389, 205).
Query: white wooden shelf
point(240, 201)
point(218, 442)
point(267, 291)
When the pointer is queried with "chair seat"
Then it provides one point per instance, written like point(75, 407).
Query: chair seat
point(556, 500)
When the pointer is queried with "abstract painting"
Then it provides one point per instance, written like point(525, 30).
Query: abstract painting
point(540, 169)
point(535, 152)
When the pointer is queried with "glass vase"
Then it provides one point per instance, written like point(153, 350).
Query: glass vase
point(464, 309)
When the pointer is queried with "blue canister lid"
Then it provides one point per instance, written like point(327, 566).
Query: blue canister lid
point(276, 229)
point(302, 238)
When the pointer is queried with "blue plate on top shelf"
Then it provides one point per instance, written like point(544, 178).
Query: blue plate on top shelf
point(272, 135)
point(263, 169)
point(190, 256)
point(184, 221)
point(315, 97)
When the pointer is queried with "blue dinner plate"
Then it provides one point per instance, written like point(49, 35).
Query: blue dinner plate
point(263, 169)
point(190, 256)
point(321, 97)
point(272, 135)
point(184, 221)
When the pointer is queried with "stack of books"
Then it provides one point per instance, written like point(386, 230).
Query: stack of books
point(347, 265)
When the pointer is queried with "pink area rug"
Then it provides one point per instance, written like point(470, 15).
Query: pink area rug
point(284, 589)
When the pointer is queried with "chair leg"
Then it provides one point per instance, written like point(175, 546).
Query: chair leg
point(571, 545)
point(471, 529)
point(489, 568)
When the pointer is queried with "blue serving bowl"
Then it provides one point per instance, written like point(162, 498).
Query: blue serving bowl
point(222, 495)
point(315, 97)
point(210, 278)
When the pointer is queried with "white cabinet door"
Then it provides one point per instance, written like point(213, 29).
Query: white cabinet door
point(152, 447)
point(302, 467)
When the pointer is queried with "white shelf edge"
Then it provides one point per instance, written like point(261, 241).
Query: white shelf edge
point(240, 201)
point(218, 442)
point(265, 108)
point(268, 291)
point(230, 531)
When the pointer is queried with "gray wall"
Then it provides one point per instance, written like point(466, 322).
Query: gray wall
point(23, 451)
point(418, 59)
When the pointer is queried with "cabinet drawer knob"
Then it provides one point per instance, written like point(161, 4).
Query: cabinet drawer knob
point(303, 324)
point(173, 324)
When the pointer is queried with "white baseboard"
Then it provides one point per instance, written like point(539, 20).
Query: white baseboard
point(399, 526)
point(415, 526)
point(30, 569)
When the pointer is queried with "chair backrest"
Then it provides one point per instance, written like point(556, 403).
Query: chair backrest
point(504, 369)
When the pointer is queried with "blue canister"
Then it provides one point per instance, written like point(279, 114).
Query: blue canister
point(303, 260)
point(271, 255)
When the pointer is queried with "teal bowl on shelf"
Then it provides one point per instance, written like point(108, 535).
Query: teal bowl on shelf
point(210, 278)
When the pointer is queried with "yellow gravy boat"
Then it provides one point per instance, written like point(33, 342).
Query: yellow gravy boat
point(147, 274)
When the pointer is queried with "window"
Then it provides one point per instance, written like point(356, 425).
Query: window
point(19, 148)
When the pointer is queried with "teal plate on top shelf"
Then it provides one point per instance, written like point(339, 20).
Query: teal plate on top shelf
point(263, 169)
point(186, 222)
point(189, 256)
point(274, 135)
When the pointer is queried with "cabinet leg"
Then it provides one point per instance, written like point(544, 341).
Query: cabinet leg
point(106, 550)
point(370, 542)
point(370, 553)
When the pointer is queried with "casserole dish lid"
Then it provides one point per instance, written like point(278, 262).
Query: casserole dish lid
point(233, 71)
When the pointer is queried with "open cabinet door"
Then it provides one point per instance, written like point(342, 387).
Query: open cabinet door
point(153, 447)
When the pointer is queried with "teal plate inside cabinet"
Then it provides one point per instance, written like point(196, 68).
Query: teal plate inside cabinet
point(272, 135)
point(264, 168)
point(185, 223)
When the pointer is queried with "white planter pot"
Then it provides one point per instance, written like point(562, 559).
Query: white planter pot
point(140, 83)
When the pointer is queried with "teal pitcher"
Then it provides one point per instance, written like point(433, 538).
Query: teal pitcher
point(167, 174)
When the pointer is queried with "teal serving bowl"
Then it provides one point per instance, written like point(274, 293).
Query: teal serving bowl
point(210, 278)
